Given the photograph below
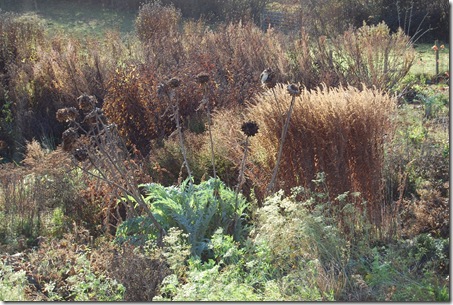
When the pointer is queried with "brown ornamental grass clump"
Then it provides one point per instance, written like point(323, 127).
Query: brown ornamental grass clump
point(338, 131)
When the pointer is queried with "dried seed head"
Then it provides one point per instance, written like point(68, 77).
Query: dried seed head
point(174, 82)
point(162, 89)
point(86, 102)
point(69, 138)
point(250, 128)
point(68, 114)
point(81, 154)
point(92, 117)
point(268, 78)
point(202, 78)
point(294, 90)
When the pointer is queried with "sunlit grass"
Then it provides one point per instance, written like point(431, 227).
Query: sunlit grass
point(85, 20)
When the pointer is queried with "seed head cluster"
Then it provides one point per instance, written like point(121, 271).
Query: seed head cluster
point(92, 117)
point(202, 78)
point(80, 154)
point(69, 138)
point(250, 128)
point(294, 90)
point(174, 82)
point(68, 114)
point(86, 102)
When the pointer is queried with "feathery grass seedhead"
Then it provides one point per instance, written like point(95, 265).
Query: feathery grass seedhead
point(294, 90)
point(81, 154)
point(86, 102)
point(250, 128)
point(268, 78)
point(68, 114)
point(174, 82)
point(202, 78)
point(69, 138)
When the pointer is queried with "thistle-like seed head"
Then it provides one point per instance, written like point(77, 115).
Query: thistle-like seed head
point(202, 78)
point(91, 118)
point(250, 128)
point(68, 114)
point(174, 82)
point(294, 90)
point(69, 138)
point(86, 102)
point(162, 89)
point(81, 154)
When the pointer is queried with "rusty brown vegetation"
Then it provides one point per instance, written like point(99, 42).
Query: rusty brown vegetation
point(91, 125)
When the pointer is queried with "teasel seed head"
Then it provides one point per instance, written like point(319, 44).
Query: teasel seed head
point(68, 114)
point(250, 128)
point(202, 78)
point(294, 90)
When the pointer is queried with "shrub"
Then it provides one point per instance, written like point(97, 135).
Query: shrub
point(416, 171)
point(225, 277)
point(303, 246)
point(73, 268)
point(140, 272)
point(132, 104)
point(31, 194)
point(412, 270)
point(370, 55)
point(156, 21)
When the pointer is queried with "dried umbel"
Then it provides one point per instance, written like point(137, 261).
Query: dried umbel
point(80, 154)
point(68, 114)
point(86, 102)
point(174, 82)
point(250, 128)
point(294, 90)
point(268, 78)
point(69, 138)
point(202, 78)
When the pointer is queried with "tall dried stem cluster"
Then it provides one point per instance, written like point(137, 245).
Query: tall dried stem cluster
point(338, 131)
point(102, 153)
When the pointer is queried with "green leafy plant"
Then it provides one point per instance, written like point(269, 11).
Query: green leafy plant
point(224, 277)
point(85, 285)
point(196, 209)
point(12, 283)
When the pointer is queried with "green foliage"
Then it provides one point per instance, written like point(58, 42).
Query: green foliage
point(12, 283)
point(305, 246)
point(412, 270)
point(86, 285)
point(436, 104)
point(58, 223)
point(225, 277)
point(196, 209)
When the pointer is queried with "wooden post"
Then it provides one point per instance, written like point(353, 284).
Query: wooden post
point(437, 57)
